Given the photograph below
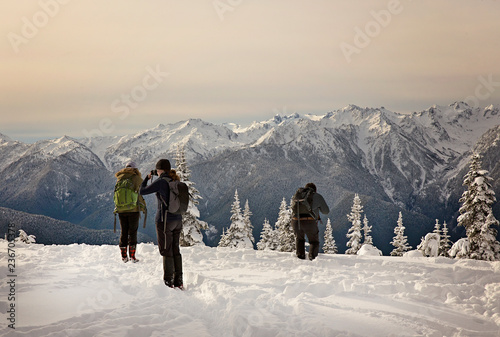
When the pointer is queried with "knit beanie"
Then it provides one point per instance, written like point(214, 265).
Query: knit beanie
point(163, 164)
point(131, 164)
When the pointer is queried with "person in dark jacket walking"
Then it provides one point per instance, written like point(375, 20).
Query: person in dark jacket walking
point(168, 225)
point(307, 225)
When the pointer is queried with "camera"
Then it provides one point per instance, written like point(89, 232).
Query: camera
point(154, 172)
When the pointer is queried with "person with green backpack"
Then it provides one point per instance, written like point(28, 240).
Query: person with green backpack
point(128, 205)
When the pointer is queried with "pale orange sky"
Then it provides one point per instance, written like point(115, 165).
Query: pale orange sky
point(121, 66)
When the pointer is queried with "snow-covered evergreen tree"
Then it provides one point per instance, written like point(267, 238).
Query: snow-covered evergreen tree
point(400, 240)
point(445, 243)
point(237, 234)
point(460, 249)
point(248, 223)
point(354, 233)
point(437, 232)
point(286, 236)
point(181, 166)
point(477, 215)
point(329, 245)
point(429, 245)
point(437, 228)
point(367, 230)
point(268, 238)
point(225, 239)
point(191, 224)
point(24, 237)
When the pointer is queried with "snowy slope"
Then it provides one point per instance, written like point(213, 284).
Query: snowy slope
point(82, 290)
point(10, 151)
point(60, 178)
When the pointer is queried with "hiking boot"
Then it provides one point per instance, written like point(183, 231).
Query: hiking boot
point(168, 271)
point(131, 250)
point(124, 254)
point(178, 272)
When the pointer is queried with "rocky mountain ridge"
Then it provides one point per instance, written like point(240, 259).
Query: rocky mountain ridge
point(410, 162)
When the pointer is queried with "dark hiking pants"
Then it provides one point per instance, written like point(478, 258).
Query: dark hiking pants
point(310, 229)
point(168, 237)
point(129, 222)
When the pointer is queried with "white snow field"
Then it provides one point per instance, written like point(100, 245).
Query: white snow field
point(83, 290)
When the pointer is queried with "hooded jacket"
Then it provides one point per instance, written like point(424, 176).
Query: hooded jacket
point(162, 190)
point(136, 181)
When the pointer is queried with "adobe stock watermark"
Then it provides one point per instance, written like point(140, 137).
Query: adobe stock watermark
point(31, 26)
point(223, 6)
point(129, 101)
point(484, 89)
point(372, 29)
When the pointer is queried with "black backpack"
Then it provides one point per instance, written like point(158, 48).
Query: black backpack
point(302, 202)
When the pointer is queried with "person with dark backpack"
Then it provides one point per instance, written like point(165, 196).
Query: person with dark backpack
point(128, 205)
point(306, 205)
point(168, 221)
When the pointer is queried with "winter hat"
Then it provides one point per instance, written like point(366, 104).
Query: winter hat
point(311, 186)
point(131, 164)
point(163, 164)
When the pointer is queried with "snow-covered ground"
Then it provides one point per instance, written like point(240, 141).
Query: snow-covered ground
point(82, 290)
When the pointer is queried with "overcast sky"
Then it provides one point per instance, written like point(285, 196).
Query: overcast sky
point(80, 67)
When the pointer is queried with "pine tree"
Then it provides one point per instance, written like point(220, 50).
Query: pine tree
point(248, 223)
point(224, 240)
point(437, 228)
point(24, 237)
point(477, 215)
point(237, 234)
point(181, 166)
point(400, 240)
point(354, 233)
point(267, 237)
point(329, 246)
point(367, 230)
point(445, 243)
point(437, 231)
point(429, 245)
point(460, 249)
point(191, 226)
point(286, 236)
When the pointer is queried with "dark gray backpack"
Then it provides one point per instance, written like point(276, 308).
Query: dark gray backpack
point(302, 202)
point(179, 197)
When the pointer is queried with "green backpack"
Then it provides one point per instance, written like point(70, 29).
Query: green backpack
point(125, 197)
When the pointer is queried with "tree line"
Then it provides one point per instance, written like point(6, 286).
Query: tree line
point(476, 216)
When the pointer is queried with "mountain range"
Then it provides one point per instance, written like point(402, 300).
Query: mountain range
point(412, 163)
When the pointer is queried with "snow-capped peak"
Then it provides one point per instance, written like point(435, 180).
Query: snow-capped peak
point(4, 138)
point(56, 147)
point(491, 111)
